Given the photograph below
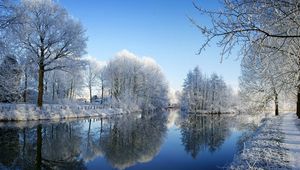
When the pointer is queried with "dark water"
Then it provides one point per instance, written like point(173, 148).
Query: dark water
point(135, 141)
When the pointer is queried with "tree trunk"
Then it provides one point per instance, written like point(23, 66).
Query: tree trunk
point(71, 91)
point(53, 90)
point(276, 105)
point(90, 88)
point(58, 91)
point(25, 88)
point(298, 102)
point(41, 86)
point(102, 89)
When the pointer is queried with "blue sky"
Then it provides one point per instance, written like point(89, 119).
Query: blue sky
point(154, 28)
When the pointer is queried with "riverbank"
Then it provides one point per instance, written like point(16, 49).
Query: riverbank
point(274, 145)
point(27, 112)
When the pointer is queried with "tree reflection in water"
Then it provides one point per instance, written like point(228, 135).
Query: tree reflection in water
point(123, 141)
point(134, 139)
point(61, 146)
point(41, 147)
point(203, 131)
point(9, 146)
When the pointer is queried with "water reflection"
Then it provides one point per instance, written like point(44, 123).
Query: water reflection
point(123, 141)
point(120, 142)
point(202, 131)
point(131, 140)
point(9, 146)
point(60, 146)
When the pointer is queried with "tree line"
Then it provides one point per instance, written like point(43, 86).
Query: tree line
point(41, 60)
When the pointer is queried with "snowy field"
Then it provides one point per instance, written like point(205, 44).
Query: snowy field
point(21, 112)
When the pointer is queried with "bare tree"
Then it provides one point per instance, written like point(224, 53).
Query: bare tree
point(51, 35)
point(242, 22)
point(92, 72)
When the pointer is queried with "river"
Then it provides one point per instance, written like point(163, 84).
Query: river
point(170, 140)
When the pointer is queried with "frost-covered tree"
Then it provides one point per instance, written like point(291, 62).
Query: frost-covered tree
point(93, 75)
point(242, 22)
point(135, 82)
point(266, 24)
point(262, 78)
point(290, 69)
point(51, 35)
point(9, 17)
point(29, 78)
point(205, 94)
point(10, 77)
point(64, 85)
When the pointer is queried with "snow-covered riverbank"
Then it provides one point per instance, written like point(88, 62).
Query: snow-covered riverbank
point(23, 112)
point(274, 145)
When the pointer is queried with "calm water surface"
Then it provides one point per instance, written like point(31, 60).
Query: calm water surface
point(136, 141)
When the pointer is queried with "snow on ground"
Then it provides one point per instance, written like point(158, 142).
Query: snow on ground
point(264, 149)
point(291, 128)
point(274, 145)
point(19, 112)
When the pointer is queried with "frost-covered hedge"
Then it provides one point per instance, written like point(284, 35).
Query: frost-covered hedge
point(10, 112)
